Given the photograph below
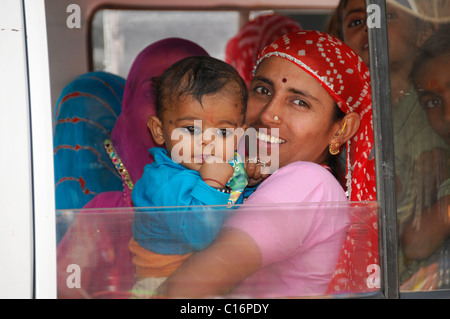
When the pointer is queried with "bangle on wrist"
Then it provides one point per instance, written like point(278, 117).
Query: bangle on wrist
point(225, 190)
point(214, 180)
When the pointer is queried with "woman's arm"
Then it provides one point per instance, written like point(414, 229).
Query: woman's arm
point(215, 271)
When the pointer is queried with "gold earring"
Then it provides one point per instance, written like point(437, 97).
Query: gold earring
point(334, 146)
point(336, 143)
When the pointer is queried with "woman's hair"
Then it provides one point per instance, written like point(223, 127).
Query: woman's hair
point(436, 45)
point(196, 76)
point(334, 160)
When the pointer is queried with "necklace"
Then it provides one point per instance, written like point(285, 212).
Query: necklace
point(120, 168)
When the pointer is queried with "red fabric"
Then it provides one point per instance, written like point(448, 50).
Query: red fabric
point(243, 48)
point(346, 78)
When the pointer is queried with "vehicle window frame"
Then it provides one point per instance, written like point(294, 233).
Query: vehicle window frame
point(385, 164)
point(384, 158)
point(384, 153)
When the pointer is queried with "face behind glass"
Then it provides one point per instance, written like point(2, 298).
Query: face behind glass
point(433, 86)
point(305, 110)
point(194, 131)
point(402, 32)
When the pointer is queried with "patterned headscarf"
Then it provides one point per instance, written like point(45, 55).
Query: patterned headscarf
point(345, 77)
point(84, 116)
point(243, 48)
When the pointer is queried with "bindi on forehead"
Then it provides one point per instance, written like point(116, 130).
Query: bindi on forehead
point(209, 116)
point(284, 80)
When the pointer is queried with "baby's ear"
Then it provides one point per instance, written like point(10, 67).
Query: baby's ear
point(155, 126)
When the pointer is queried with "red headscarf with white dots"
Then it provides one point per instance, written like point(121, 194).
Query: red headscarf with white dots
point(346, 78)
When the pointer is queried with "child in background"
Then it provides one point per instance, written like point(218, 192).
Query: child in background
point(415, 142)
point(200, 103)
point(425, 238)
point(431, 78)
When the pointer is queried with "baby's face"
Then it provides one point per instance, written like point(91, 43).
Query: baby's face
point(193, 131)
point(433, 86)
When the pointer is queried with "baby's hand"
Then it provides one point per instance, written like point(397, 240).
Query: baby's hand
point(215, 172)
point(253, 168)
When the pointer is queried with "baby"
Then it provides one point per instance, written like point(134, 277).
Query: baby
point(200, 103)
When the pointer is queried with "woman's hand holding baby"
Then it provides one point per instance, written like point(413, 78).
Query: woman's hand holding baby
point(253, 168)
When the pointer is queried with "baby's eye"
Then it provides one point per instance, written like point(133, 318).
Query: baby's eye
point(224, 132)
point(193, 130)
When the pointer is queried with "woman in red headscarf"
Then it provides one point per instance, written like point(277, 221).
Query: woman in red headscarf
point(310, 95)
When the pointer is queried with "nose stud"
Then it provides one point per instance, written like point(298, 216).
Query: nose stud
point(276, 118)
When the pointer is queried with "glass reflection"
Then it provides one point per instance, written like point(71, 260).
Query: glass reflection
point(419, 79)
point(95, 258)
point(421, 152)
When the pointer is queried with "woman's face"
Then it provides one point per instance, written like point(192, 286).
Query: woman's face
point(305, 125)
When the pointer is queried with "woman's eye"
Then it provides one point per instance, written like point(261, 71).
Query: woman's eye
point(301, 103)
point(262, 90)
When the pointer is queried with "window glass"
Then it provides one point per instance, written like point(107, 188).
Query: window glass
point(419, 85)
point(100, 258)
point(419, 50)
point(119, 35)
point(94, 257)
